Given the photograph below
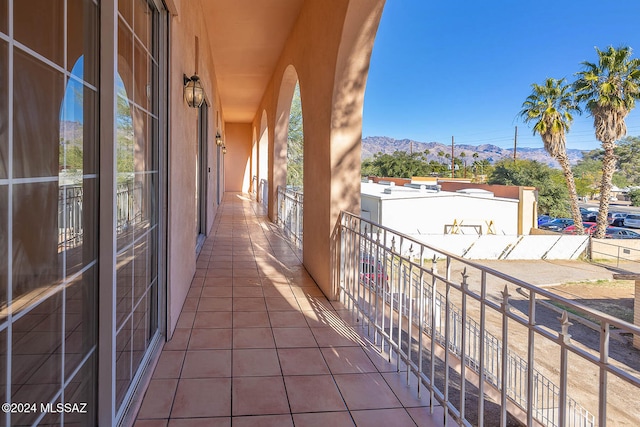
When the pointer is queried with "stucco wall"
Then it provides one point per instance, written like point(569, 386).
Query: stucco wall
point(331, 65)
point(183, 143)
point(238, 157)
point(429, 215)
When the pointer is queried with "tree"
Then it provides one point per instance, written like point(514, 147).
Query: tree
point(609, 88)
point(550, 107)
point(552, 192)
point(634, 195)
point(295, 142)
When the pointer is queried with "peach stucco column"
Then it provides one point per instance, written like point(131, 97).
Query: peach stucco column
point(332, 106)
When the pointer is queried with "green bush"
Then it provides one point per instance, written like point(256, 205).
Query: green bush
point(634, 195)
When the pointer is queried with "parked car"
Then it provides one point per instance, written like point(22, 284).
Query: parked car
point(589, 228)
point(616, 218)
point(544, 218)
point(621, 233)
point(588, 215)
point(557, 224)
point(372, 272)
point(632, 220)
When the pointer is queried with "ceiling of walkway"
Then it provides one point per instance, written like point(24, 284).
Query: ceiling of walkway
point(247, 37)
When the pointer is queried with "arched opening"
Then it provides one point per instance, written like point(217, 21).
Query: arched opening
point(295, 144)
point(263, 162)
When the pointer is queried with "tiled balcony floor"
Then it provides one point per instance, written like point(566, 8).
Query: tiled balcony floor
point(258, 344)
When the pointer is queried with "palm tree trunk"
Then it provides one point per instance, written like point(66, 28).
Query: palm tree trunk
point(608, 167)
point(573, 193)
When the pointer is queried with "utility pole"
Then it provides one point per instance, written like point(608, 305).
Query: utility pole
point(452, 157)
point(515, 144)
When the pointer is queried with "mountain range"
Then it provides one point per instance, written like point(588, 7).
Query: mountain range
point(372, 145)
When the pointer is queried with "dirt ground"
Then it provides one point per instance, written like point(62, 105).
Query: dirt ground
point(591, 285)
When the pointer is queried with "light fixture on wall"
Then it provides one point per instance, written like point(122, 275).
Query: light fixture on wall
point(224, 150)
point(219, 141)
point(193, 92)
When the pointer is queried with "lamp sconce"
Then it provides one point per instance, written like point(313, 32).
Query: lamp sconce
point(224, 150)
point(219, 141)
point(193, 92)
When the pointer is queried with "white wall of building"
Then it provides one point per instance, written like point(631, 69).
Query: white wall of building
point(412, 211)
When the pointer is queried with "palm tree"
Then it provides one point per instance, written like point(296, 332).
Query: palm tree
point(609, 89)
point(551, 106)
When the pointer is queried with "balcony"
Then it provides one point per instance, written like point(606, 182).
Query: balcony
point(257, 343)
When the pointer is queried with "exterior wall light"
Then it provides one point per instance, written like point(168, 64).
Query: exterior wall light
point(219, 141)
point(224, 150)
point(193, 92)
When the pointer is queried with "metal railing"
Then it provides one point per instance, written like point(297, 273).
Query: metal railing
point(70, 219)
point(290, 213)
point(129, 212)
point(454, 342)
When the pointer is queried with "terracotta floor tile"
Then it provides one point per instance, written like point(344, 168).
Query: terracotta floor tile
point(213, 319)
point(255, 363)
point(203, 339)
point(314, 303)
point(294, 337)
point(190, 304)
point(200, 422)
point(302, 361)
point(335, 337)
point(287, 319)
point(259, 396)
point(406, 393)
point(383, 418)
point(217, 281)
point(315, 393)
point(249, 304)
point(358, 391)
point(247, 291)
point(215, 304)
point(247, 281)
point(169, 364)
point(251, 319)
point(185, 321)
point(253, 338)
point(158, 398)
point(210, 397)
point(263, 421)
point(347, 360)
point(424, 418)
point(207, 364)
point(179, 340)
point(219, 273)
point(217, 292)
point(282, 304)
point(277, 291)
point(323, 319)
point(150, 423)
point(324, 419)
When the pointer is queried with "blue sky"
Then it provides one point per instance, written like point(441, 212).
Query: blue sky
point(460, 68)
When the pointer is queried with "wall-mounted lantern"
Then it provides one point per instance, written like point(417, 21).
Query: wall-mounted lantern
point(219, 141)
point(193, 92)
point(224, 150)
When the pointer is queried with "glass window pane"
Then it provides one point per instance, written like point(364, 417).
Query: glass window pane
point(4, 12)
point(36, 356)
point(37, 264)
point(36, 148)
point(140, 332)
point(124, 287)
point(143, 17)
point(78, 132)
point(4, 232)
point(125, 58)
point(123, 361)
point(48, 40)
point(82, 388)
point(83, 40)
point(125, 8)
point(4, 97)
point(142, 77)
